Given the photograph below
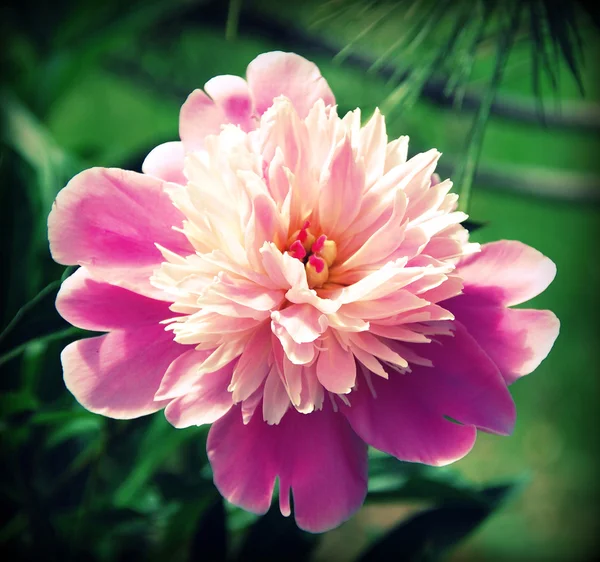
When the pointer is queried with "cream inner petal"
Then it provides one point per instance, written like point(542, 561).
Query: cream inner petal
point(322, 253)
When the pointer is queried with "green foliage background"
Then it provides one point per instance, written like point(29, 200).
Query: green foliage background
point(99, 84)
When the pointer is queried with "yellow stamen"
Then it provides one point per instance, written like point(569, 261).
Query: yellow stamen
point(328, 252)
point(308, 241)
point(317, 272)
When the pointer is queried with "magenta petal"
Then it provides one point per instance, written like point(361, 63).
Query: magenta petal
point(95, 305)
point(506, 272)
point(465, 384)
point(406, 419)
point(286, 74)
point(117, 374)
point(517, 340)
point(401, 422)
point(317, 455)
point(166, 162)
point(110, 220)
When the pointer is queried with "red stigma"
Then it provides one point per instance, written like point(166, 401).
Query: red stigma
point(303, 234)
point(317, 262)
point(297, 250)
point(318, 245)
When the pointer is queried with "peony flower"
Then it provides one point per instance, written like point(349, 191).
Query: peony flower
point(291, 277)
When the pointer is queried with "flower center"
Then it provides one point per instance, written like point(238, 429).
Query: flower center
point(317, 254)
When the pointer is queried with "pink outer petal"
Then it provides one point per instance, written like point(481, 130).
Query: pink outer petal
point(317, 455)
point(117, 374)
point(406, 418)
point(166, 162)
point(206, 404)
point(506, 272)
point(290, 75)
point(95, 305)
point(276, 400)
point(109, 220)
point(516, 340)
point(183, 374)
point(201, 115)
point(336, 367)
point(232, 95)
point(252, 366)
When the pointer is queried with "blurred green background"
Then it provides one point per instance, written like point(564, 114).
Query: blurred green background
point(100, 84)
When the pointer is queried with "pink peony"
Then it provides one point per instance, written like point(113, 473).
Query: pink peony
point(291, 277)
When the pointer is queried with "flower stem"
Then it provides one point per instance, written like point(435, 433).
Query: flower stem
point(233, 18)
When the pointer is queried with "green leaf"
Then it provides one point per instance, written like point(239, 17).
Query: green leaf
point(391, 480)
point(209, 542)
point(54, 336)
point(180, 525)
point(17, 403)
point(28, 137)
point(62, 415)
point(472, 225)
point(182, 486)
point(238, 519)
point(104, 533)
point(87, 456)
point(466, 172)
point(36, 321)
point(159, 443)
point(274, 534)
point(36, 318)
point(88, 427)
point(562, 23)
point(427, 535)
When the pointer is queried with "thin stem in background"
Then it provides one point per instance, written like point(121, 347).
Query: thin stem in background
point(16, 351)
point(233, 18)
point(466, 173)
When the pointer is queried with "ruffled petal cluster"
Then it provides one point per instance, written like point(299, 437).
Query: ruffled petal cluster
point(292, 277)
